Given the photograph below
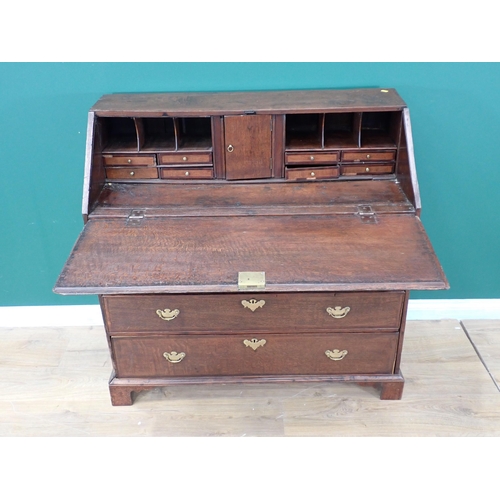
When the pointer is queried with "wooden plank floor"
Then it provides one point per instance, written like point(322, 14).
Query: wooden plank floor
point(53, 382)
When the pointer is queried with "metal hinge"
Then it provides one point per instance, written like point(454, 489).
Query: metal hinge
point(135, 218)
point(366, 214)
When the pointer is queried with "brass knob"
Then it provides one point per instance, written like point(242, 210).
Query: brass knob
point(313, 174)
point(132, 173)
point(187, 173)
point(336, 355)
point(129, 161)
point(174, 357)
point(184, 158)
point(167, 314)
point(230, 148)
point(367, 169)
point(254, 343)
point(253, 304)
point(368, 156)
point(311, 157)
point(338, 312)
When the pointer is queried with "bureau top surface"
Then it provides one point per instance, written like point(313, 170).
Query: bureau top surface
point(297, 253)
point(213, 103)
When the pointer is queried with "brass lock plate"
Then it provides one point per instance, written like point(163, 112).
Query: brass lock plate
point(252, 280)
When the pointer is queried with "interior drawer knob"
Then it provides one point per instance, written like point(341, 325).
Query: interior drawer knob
point(254, 343)
point(167, 314)
point(336, 354)
point(253, 304)
point(338, 312)
point(184, 158)
point(311, 157)
point(129, 161)
point(174, 357)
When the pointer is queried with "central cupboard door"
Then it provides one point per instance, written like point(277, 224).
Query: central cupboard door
point(248, 146)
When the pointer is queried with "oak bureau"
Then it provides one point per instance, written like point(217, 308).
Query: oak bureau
point(252, 236)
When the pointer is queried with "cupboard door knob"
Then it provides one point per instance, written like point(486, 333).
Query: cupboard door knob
point(230, 148)
point(336, 355)
point(338, 312)
point(167, 314)
point(174, 357)
point(254, 343)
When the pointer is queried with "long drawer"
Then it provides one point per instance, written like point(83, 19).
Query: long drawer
point(296, 354)
point(247, 312)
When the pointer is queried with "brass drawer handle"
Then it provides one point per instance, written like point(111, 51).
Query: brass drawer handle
point(253, 304)
point(174, 357)
point(338, 312)
point(254, 343)
point(336, 355)
point(167, 314)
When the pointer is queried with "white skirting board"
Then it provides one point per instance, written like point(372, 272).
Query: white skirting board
point(90, 315)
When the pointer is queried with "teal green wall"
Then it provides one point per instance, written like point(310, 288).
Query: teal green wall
point(455, 110)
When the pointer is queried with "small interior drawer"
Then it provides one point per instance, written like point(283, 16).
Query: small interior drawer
point(368, 155)
point(367, 169)
point(131, 173)
point(131, 160)
point(311, 173)
point(313, 158)
point(181, 158)
point(187, 173)
point(255, 354)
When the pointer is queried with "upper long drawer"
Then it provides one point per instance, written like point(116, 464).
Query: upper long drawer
point(257, 312)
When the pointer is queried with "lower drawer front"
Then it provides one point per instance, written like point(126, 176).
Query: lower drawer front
point(210, 355)
point(247, 312)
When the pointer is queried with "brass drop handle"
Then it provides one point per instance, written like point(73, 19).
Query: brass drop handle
point(254, 343)
point(230, 148)
point(338, 312)
point(336, 354)
point(174, 357)
point(253, 304)
point(167, 314)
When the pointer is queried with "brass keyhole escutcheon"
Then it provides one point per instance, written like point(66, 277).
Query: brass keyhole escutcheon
point(253, 304)
point(230, 148)
point(174, 357)
point(254, 343)
point(167, 314)
point(336, 354)
point(338, 312)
